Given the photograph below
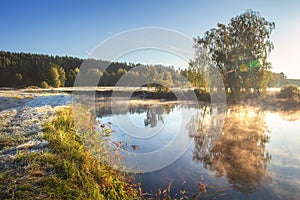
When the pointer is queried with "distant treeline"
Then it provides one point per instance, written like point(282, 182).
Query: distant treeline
point(26, 69)
point(293, 82)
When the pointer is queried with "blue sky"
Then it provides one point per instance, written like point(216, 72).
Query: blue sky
point(74, 28)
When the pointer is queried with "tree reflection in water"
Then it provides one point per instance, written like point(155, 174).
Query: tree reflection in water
point(240, 151)
point(154, 114)
point(290, 116)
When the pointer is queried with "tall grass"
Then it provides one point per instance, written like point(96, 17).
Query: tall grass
point(66, 171)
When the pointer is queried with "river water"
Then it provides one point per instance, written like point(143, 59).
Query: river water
point(248, 153)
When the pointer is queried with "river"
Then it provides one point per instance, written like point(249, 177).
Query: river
point(247, 153)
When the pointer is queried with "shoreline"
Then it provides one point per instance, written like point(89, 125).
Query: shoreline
point(25, 113)
point(13, 98)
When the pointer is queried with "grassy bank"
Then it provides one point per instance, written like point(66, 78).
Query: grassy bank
point(65, 170)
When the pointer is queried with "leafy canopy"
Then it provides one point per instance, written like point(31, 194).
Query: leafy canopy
point(245, 40)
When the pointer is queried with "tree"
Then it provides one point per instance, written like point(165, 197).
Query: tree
point(19, 79)
point(277, 80)
point(54, 75)
point(105, 79)
point(120, 73)
point(62, 76)
point(240, 50)
point(70, 76)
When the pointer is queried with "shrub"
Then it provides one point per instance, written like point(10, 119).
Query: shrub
point(237, 97)
point(32, 87)
point(289, 92)
point(44, 84)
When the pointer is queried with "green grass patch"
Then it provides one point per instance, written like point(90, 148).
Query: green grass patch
point(7, 141)
point(66, 171)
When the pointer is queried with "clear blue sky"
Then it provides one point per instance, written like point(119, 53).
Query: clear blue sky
point(73, 27)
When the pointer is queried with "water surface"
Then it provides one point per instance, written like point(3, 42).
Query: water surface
point(256, 154)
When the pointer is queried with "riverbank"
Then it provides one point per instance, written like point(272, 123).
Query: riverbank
point(42, 158)
point(22, 116)
point(62, 170)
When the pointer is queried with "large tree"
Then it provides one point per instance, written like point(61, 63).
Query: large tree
point(240, 50)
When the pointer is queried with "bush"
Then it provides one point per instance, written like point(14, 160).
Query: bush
point(237, 96)
point(32, 87)
point(44, 84)
point(289, 92)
